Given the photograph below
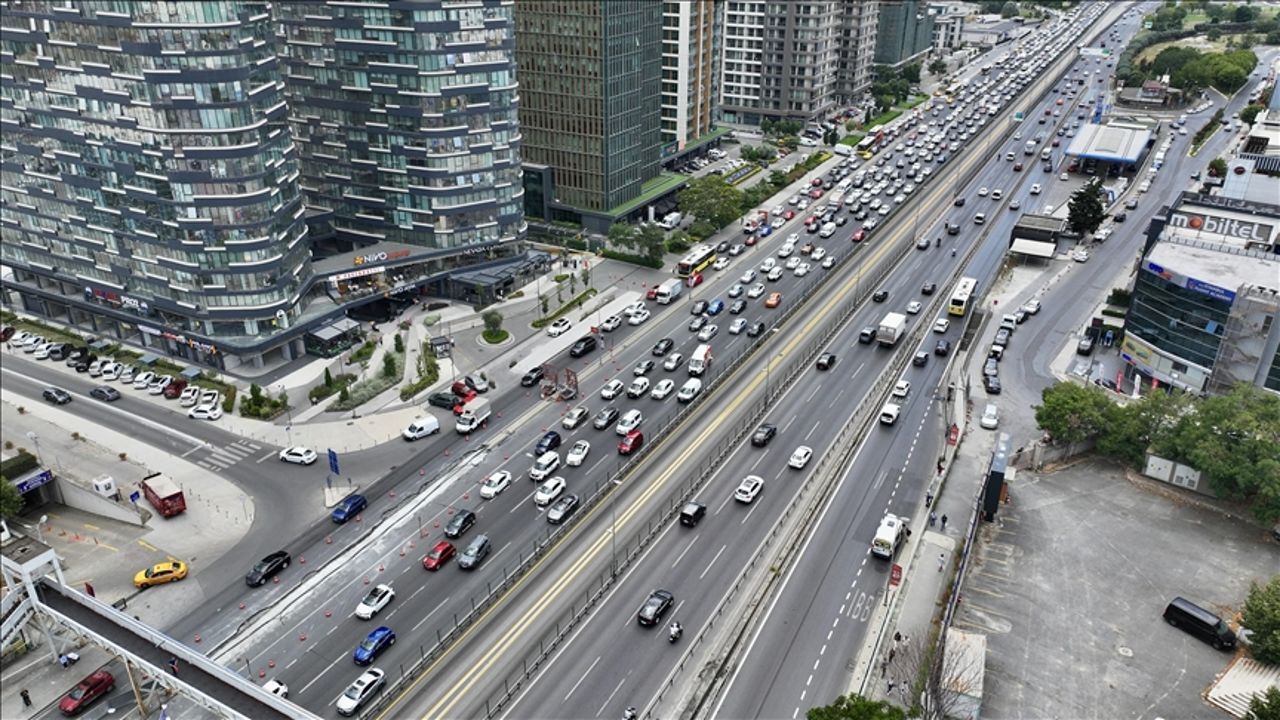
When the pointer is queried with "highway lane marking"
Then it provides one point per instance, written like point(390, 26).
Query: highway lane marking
point(817, 388)
point(476, 671)
point(611, 696)
point(148, 546)
point(756, 464)
point(714, 559)
point(823, 651)
point(815, 427)
point(880, 480)
point(747, 517)
point(574, 689)
point(193, 449)
point(292, 663)
point(788, 424)
point(320, 675)
point(428, 615)
point(679, 557)
point(504, 547)
point(520, 505)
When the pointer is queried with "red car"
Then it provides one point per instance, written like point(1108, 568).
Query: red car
point(99, 683)
point(815, 193)
point(751, 240)
point(1017, 167)
point(442, 553)
point(694, 280)
point(463, 400)
point(860, 235)
point(817, 182)
point(651, 294)
point(787, 215)
point(174, 389)
point(633, 441)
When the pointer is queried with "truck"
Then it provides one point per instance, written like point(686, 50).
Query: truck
point(752, 222)
point(668, 291)
point(1030, 148)
point(891, 329)
point(164, 494)
point(474, 413)
point(700, 361)
point(889, 536)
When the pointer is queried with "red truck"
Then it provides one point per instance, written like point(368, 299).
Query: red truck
point(164, 494)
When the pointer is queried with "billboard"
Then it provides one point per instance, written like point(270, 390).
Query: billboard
point(1190, 283)
point(1247, 230)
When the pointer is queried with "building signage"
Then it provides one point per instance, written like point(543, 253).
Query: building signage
point(32, 482)
point(1227, 227)
point(357, 273)
point(378, 257)
point(1200, 286)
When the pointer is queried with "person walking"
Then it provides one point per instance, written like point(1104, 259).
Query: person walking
point(933, 519)
point(26, 697)
point(942, 561)
point(173, 666)
point(944, 522)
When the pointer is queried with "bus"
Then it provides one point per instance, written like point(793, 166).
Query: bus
point(699, 258)
point(867, 147)
point(962, 297)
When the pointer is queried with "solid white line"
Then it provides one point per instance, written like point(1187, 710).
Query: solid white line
point(713, 562)
point(197, 447)
point(584, 677)
point(266, 457)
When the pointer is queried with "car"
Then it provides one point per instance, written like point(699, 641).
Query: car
point(208, 411)
point(548, 442)
point(160, 573)
point(755, 329)
point(661, 347)
point(475, 553)
point(928, 288)
point(127, 374)
point(374, 601)
point(93, 686)
point(747, 277)
point(494, 484)
point(889, 413)
point(698, 308)
point(359, 692)
point(655, 607)
point(774, 300)
point(380, 639)
point(991, 383)
point(1080, 256)
point(1035, 189)
point(920, 359)
point(561, 509)
point(578, 453)
point(737, 326)
point(880, 296)
point(982, 191)
point(638, 387)
point(582, 346)
point(922, 243)
point(736, 290)
point(639, 318)
point(692, 513)
point(901, 389)
point(913, 307)
point(299, 455)
point(697, 323)
point(1085, 346)
point(673, 361)
point(708, 332)
point(462, 521)
point(800, 457)
point(715, 307)
point(826, 361)
point(531, 378)
point(348, 508)
point(548, 491)
point(632, 441)
point(736, 249)
point(860, 234)
point(775, 274)
point(479, 384)
point(605, 417)
point(105, 393)
point(792, 262)
point(755, 291)
point(559, 327)
point(764, 434)
point(629, 421)
point(958, 202)
point(749, 489)
point(611, 323)
point(997, 194)
point(611, 389)
point(442, 553)
point(57, 396)
point(1031, 307)
point(276, 687)
point(737, 306)
point(942, 348)
point(802, 269)
point(267, 567)
point(720, 263)
point(1002, 337)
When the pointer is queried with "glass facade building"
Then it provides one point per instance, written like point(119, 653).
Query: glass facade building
point(905, 32)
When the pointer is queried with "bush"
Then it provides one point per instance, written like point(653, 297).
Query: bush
point(18, 465)
point(641, 260)
point(261, 406)
point(331, 386)
point(364, 352)
point(399, 343)
point(229, 399)
point(428, 374)
point(493, 337)
point(574, 303)
point(365, 390)
point(561, 277)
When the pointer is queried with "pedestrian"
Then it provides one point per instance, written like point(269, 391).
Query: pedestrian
point(173, 666)
point(891, 684)
point(26, 698)
point(897, 637)
point(928, 500)
point(944, 522)
point(933, 519)
point(942, 561)
point(939, 466)
point(63, 661)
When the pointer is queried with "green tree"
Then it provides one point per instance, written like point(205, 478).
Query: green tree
point(1265, 706)
point(1218, 167)
point(938, 67)
point(399, 343)
point(622, 235)
point(11, 501)
point(586, 274)
point(1243, 13)
point(855, 707)
point(710, 199)
point(1133, 428)
point(831, 137)
point(1071, 413)
point(911, 73)
point(1172, 58)
point(1085, 211)
point(389, 365)
point(1009, 9)
point(1262, 616)
point(343, 395)
point(492, 321)
point(328, 378)
point(651, 242)
point(1214, 11)
point(1214, 34)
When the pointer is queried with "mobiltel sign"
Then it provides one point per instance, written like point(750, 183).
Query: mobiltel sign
point(1251, 232)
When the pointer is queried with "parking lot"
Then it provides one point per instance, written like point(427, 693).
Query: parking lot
point(1069, 585)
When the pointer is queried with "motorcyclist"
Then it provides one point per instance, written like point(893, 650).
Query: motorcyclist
point(630, 713)
point(676, 630)
point(938, 241)
point(953, 252)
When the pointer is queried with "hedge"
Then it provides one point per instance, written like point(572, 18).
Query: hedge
point(322, 391)
point(565, 309)
point(643, 260)
point(366, 390)
point(18, 465)
point(428, 374)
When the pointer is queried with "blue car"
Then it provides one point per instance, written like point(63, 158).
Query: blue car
point(350, 506)
point(549, 442)
point(715, 307)
point(378, 640)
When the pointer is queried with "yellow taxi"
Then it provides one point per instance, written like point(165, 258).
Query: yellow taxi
point(160, 573)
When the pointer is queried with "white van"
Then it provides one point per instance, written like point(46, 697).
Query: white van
point(544, 466)
point(700, 361)
point(422, 427)
point(827, 230)
point(629, 421)
point(690, 390)
point(889, 536)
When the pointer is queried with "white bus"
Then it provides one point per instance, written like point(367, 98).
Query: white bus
point(700, 361)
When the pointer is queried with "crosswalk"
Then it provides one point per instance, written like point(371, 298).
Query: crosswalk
point(221, 458)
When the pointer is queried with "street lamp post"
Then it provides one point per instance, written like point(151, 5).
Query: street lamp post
point(288, 408)
point(35, 439)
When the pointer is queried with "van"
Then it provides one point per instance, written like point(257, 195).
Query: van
point(546, 464)
point(1198, 622)
point(827, 230)
point(1046, 154)
point(629, 421)
point(700, 361)
point(690, 390)
point(889, 536)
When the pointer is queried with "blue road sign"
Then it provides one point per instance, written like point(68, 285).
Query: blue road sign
point(333, 462)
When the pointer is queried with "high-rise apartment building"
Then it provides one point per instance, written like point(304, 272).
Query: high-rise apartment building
point(590, 75)
point(780, 59)
point(150, 183)
point(904, 33)
point(858, 26)
point(691, 45)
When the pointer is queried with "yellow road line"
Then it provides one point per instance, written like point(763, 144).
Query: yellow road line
point(444, 706)
point(148, 546)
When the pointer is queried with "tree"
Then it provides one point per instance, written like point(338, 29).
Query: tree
point(1009, 9)
point(622, 235)
point(492, 321)
point(399, 343)
point(1131, 429)
point(709, 199)
point(1172, 58)
point(11, 501)
point(585, 274)
point(328, 378)
point(911, 73)
point(1262, 616)
point(855, 707)
point(932, 677)
point(343, 395)
point(1218, 167)
point(831, 137)
point(1071, 413)
point(388, 365)
point(1265, 706)
point(1214, 34)
point(1085, 211)
point(1243, 14)
point(938, 67)
point(651, 242)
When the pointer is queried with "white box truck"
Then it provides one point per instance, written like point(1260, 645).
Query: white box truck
point(700, 360)
point(889, 537)
point(891, 329)
point(474, 414)
point(668, 291)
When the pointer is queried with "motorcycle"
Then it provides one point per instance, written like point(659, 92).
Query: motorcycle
point(676, 632)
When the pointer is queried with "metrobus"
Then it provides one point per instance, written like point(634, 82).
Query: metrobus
point(699, 258)
point(962, 297)
point(866, 147)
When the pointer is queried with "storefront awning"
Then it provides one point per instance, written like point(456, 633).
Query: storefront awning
point(191, 373)
point(1034, 248)
point(335, 329)
point(147, 360)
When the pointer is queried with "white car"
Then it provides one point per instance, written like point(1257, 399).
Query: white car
point(629, 421)
point(768, 264)
point(112, 371)
point(748, 277)
point(800, 457)
point(829, 262)
point(549, 491)
point(639, 317)
point(792, 262)
point(749, 489)
point(913, 307)
point(990, 417)
point(901, 389)
point(1080, 256)
point(205, 412)
point(786, 250)
point(756, 290)
point(889, 413)
point(142, 381)
point(818, 254)
point(611, 389)
point(210, 397)
point(577, 453)
point(1035, 189)
point(611, 323)
point(720, 263)
point(277, 688)
point(575, 417)
point(359, 692)
point(379, 597)
point(708, 332)
point(638, 387)
point(559, 327)
point(298, 455)
point(673, 361)
point(737, 326)
point(793, 238)
point(634, 308)
point(42, 352)
point(157, 385)
point(941, 325)
point(497, 481)
point(997, 194)
point(775, 274)
point(801, 270)
point(663, 389)
point(982, 192)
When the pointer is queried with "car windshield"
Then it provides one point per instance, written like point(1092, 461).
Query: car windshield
point(652, 605)
point(261, 567)
point(352, 693)
point(373, 597)
point(151, 572)
point(78, 692)
point(368, 644)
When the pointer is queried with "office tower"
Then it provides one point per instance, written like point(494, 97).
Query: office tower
point(691, 46)
point(904, 32)
point(859, 23)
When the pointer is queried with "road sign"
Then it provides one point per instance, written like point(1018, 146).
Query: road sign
point(895, 575)
point(333, 462)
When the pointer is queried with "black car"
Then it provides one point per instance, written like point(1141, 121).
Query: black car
point(928, 288)
point(992, 384)
point(661, 347)
point(826, 361)
point(764, 434)
point(953, 228)
point(942, 348)
point(659, 602)
point(754, 329)
point(267, 567)
point(607, 416)
point(691, 513)
point(106, 393)
point(531, 378)
point(444, 400)
point(959, 202)
point(696, 324)
point(57, 396)
point(723, 247)
point(880, 296)
point(82, 365)
point(1120, 217)
point(698, 308)
point(920, 359)
point(549, 442)
point(459, 523)
point(1084, 347)
point(583, 346)
point(737, 306)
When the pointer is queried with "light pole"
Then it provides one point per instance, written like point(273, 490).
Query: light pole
point(35, 439)
point(288, 429)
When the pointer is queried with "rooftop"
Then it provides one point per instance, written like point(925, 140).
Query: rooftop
point(1110, 143)
point(1215, 264)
